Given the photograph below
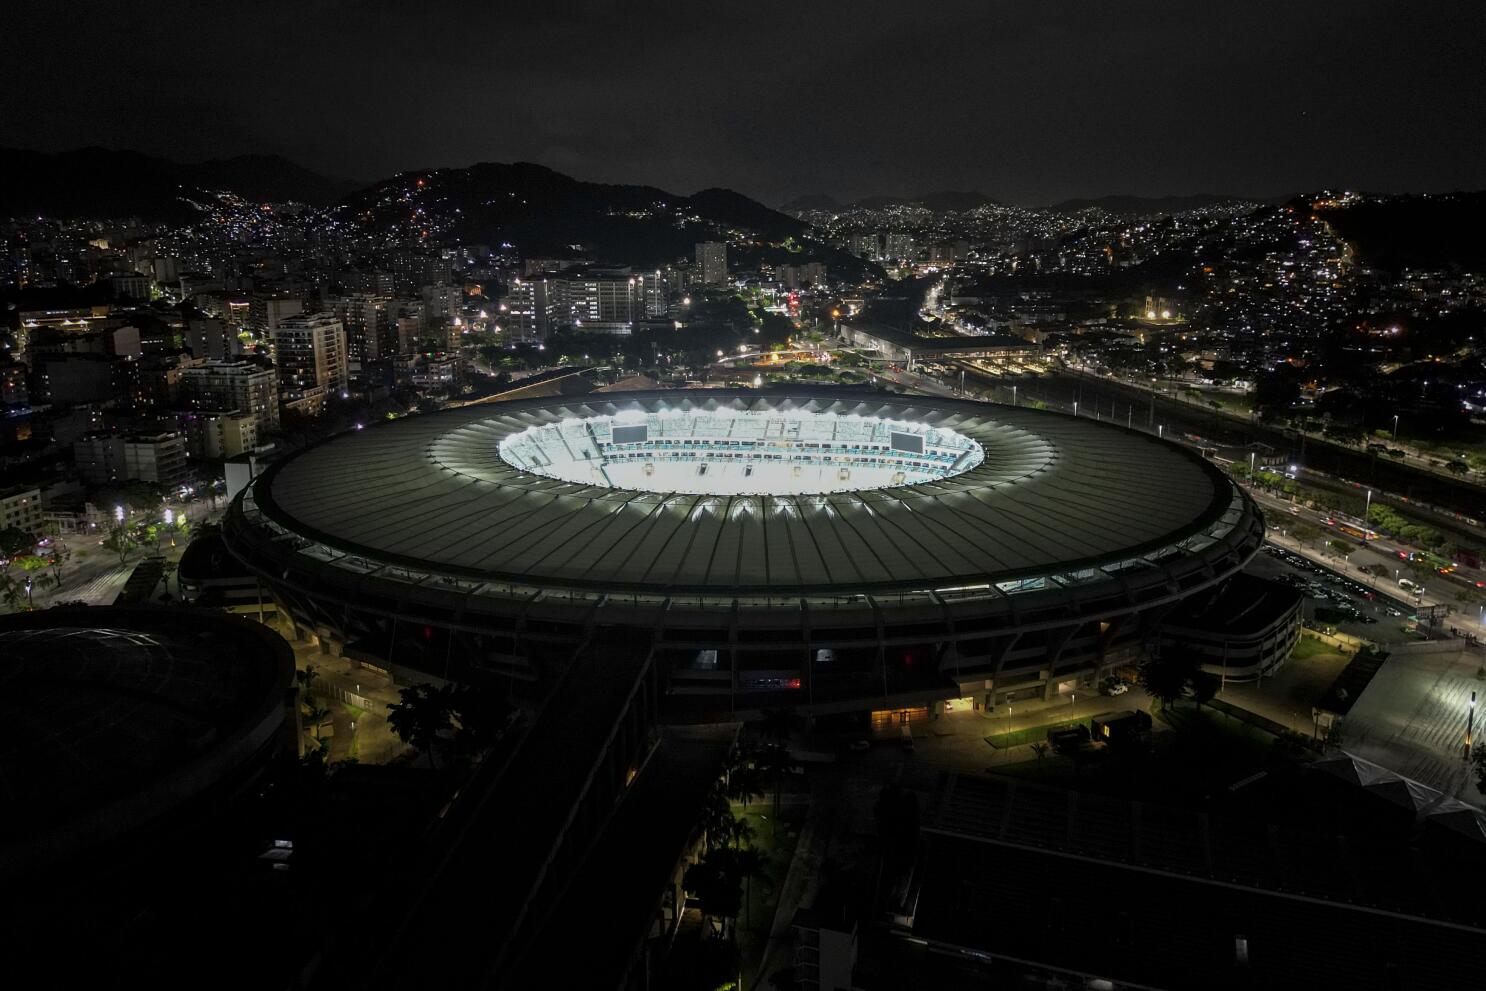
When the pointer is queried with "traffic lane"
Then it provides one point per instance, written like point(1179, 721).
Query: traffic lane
point(1385, 551)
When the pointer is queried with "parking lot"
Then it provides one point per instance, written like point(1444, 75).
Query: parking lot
point(1369, 611)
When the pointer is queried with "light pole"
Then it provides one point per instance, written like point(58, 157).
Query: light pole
point(1470, 725)
point(1395, 428)
point(1075, 407)
point(1367, 508)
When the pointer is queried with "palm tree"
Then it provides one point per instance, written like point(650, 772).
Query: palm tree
point(745, 781)
point(1040, 748)
point(751, 863)
point(715, 819)
point(775, 761)
point(740, 831)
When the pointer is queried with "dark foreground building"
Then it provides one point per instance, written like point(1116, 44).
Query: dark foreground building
point(130, 737)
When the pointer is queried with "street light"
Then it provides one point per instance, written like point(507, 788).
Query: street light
point(1470, 725)
point(1395, 428)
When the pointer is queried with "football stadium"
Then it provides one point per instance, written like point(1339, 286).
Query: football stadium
point(813, 547)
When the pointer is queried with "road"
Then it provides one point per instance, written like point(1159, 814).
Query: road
point(1437, 589)
point(1413, 457)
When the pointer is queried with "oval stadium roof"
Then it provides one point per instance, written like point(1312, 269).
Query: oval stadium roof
point(1053, 494)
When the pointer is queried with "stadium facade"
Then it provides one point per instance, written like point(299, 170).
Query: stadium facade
point(812, 547)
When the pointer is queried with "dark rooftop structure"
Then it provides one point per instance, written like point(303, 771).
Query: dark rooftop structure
point(1149, 896)
point(115, 719)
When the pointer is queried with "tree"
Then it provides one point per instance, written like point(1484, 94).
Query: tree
point(717, 883)
point(420, 718)
point(1040, 749)
point(1203, 686)
point(775, 762)
point(1478, 763)
point(1342, 547)
point(12, 591)
point(121, 542)
point(15, 542)
point(744, 780)
point(751, 864)
point(715, 821)
point(1165, 675)
point(740, 831)
point(1305, 532)
point(482, 715)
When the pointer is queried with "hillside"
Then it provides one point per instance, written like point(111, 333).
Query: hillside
point(1147, 205)
point(1438, 231)
point(544, 212)
point(100, 182)
point(943, 201)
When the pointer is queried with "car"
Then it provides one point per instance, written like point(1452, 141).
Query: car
point(1118, 688)
point(860, 746)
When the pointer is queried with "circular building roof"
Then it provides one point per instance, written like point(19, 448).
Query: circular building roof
point(745, 492)
point(113, 717)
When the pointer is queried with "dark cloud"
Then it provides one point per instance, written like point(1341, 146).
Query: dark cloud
point(1028, 101)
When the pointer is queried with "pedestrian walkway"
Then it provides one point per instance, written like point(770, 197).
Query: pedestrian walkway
point(357, 699)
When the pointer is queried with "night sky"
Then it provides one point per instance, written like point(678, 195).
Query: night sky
point(1030, 102)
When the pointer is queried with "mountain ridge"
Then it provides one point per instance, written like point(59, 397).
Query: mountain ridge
point(107, 182)
point(944, 200)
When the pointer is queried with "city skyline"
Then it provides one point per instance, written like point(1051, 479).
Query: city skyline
point(1027, 107)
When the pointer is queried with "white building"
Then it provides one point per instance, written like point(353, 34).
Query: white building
point(20, 507)
point(243, 386)
point(310, 352)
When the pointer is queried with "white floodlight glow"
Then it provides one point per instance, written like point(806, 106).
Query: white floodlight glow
point(728, 452)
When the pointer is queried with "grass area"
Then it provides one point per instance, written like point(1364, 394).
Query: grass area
point(1193, 755)
point(778, 848)
point(1030, 734)
point(1308, 647)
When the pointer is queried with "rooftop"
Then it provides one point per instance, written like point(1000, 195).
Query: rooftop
point(1051, 496)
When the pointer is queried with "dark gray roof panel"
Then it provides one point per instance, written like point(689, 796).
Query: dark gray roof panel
point(1053, 493)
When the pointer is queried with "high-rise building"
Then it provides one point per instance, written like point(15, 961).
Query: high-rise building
point(442, 309)
point(867, 246)
point(13, 388)
point(531, 310)
point(243, 386)
point(267, 310)
point(367, 320)
point(158, 458)
point(899, 246)
point(597, 301)
point(211, 337)
point(612, 301)
point(218, 435)
point(795, 276)
point(310, 352)
point(712, 262)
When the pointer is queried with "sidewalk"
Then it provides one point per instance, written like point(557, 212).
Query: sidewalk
point(358, 701)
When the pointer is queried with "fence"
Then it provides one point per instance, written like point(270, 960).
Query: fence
point(359, 701)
